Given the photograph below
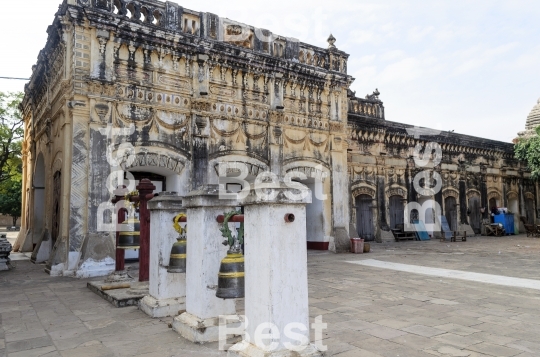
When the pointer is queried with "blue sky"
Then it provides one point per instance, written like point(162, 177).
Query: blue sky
point(470, 66)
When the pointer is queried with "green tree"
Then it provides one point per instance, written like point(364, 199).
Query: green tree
point(10, 199)
point(528, 150)
point(11, 135)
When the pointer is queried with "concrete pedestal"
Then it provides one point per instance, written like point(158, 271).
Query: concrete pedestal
point(204, 254)
point(167, 291)
point(276, 274)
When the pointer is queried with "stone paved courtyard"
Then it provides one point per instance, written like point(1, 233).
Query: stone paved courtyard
point(369, 311)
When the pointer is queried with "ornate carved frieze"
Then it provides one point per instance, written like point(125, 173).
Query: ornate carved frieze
point(512, 195)
point(494, 194)
point(362, 173)
point(223, 128)
point(236, 167)
point(363, 190)
point(148, 158)
point(201, 105)
point(451, 192)
point(396, 191)
point(307, 140)
point(222, 91)
point(473, 193)
point(174, 81)
point(309, 172)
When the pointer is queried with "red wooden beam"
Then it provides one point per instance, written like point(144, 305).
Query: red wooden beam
point(145, 188)
point(289, 218)
point(235, 218)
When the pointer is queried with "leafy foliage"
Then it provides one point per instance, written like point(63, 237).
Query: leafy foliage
point(10, 199)
point(11, 134)
point(528, 150)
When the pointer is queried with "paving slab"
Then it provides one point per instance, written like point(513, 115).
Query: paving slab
point(369, 311)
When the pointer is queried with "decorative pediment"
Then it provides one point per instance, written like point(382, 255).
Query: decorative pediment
point(494, 194)
point(473, 193)
point(450, 192)
point(311, 172)
point(148, 158)
point(512, 195)
point(236, 167)
point(364, 190)
point(396, 191)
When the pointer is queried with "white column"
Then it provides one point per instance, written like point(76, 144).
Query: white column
point(276, 275)
point(167, 291)
point(200, 322)
point(340, 194)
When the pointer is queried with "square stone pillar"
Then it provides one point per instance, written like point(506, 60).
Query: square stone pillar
point(340, 192)
point(200, 322)
point(276, 273)
point(167, 290)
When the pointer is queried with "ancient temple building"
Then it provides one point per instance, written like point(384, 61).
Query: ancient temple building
point(533, 121)
point(145, 88)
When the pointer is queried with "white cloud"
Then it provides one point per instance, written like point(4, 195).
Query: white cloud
point(364, 60)
point(367, 74)
point(392, 55)
point(362, 36)
point(418, 33)
point(474, 58)
point(404, 70)
point(409, 69)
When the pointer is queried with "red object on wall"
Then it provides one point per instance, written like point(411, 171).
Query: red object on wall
point(221, 218)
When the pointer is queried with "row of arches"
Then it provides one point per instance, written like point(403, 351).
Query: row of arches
point(364, 212)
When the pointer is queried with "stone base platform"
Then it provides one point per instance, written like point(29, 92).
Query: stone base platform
point(162, 307)
point(200, 331)
point(120, 297)
point(245, 349)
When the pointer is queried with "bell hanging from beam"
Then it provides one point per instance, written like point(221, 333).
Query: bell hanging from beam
point(231, 270)
point(177, 259)
point(130, 239)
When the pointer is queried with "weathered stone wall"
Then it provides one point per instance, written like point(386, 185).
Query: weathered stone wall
point(181, 92)
point(149, 86)
point(45, 169)
point(381, 165)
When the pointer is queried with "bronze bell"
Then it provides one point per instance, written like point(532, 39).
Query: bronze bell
point(231, 276)
point(177, 261)
point(231, 271)
point(130, 239)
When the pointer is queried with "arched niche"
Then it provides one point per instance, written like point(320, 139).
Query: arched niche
point(319, 212)
point(38, 188)
point(362, 210)
point(513, 206)
point(223, 170)
point(162, 162)
point(494, 198)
